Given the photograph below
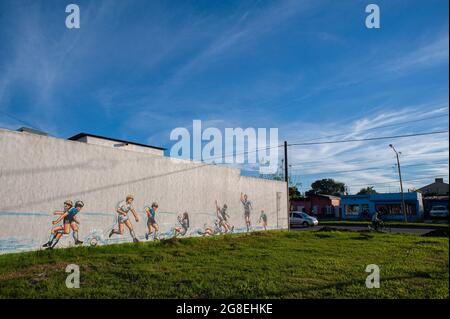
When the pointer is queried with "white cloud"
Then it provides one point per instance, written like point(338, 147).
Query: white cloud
point(426, 55)
point(309, 162)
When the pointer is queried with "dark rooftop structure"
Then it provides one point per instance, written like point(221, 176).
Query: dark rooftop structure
point(31, 131)
point(86, 137)
point(438, 188)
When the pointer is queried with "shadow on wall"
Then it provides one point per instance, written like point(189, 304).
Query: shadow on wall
point(78, 194)
point(94, 164)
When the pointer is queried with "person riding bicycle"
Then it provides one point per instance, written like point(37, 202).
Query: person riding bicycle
point(376, 221)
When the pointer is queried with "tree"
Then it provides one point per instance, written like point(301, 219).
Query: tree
point(294, 193)
point(367, 190)
point(327, 186)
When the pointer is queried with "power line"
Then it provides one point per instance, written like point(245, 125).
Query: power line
point(321, 160)
point(350, 162)
point(423, 154)
point(329, 142)
point(340, 141)
point(395, 181)
point(372, 168)
point(318, 164)
point(20, 121)
point(243, 153)
point(223, 156)
point(383, 126)
point(368, 139)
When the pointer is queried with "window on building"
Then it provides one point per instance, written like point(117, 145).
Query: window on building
point(365, 208)
point(411, 209)
point(383, 209)
point(327, 210)
point(396, 209)
point(352, 209)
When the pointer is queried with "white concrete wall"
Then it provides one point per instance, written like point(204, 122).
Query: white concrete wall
point(37, 173)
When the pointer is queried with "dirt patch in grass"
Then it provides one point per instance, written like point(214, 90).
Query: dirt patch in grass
point(173, 241)
point(37, 272)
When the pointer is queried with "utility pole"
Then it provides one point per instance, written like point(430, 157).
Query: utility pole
point(286, 179)
point(401, 182)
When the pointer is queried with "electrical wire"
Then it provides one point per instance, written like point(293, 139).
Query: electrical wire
point(369, 138)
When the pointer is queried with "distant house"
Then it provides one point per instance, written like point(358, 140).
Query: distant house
point(363, 206)
point(438, 188)
point(318, 205)
point(430, 201)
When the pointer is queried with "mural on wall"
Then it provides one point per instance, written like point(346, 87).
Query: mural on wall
point(69, 221)
point(209, 231)
point(222, 218)
point(263, 219)
point(184, 225)
point(152, 225)
point(102, 177)
point(123, 219)
point(247, 207)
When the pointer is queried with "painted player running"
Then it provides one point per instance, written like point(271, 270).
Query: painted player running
point(223, 216)
point(263, 219)
point(151, 221)
point(124, 208)
point(68, 216)
point(247, 207)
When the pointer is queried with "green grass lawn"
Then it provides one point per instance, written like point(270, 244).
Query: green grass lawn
point(390, 223)
point(275, 264)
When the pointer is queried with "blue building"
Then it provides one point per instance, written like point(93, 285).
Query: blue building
point(360, 206)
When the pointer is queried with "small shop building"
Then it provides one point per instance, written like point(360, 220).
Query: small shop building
point(363, 206)
point(320, 205)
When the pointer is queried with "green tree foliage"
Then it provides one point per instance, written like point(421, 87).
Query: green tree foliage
point(327, 186)
point(367, 190)
point(294, 193)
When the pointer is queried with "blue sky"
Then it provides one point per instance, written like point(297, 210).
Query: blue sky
point(135, 70)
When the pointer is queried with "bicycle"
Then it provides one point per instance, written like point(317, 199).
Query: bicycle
point(381, 227)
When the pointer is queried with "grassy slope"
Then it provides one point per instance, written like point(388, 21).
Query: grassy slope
point(275, 264)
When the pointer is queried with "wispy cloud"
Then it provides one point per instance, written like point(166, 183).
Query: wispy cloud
point(241, 30)
point(36, 63)
point(360, 163)
point(426, 55)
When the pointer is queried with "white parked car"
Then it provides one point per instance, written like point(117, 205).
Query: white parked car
point(303, 219)
point(439, 211)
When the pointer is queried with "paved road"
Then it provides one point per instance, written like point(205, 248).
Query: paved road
point(416, 231)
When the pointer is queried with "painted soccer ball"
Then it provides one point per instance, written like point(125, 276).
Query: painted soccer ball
point(93, 242)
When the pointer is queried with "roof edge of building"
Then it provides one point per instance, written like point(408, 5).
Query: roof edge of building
point(80, 135)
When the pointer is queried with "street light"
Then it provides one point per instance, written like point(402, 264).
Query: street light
point(401, 183)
